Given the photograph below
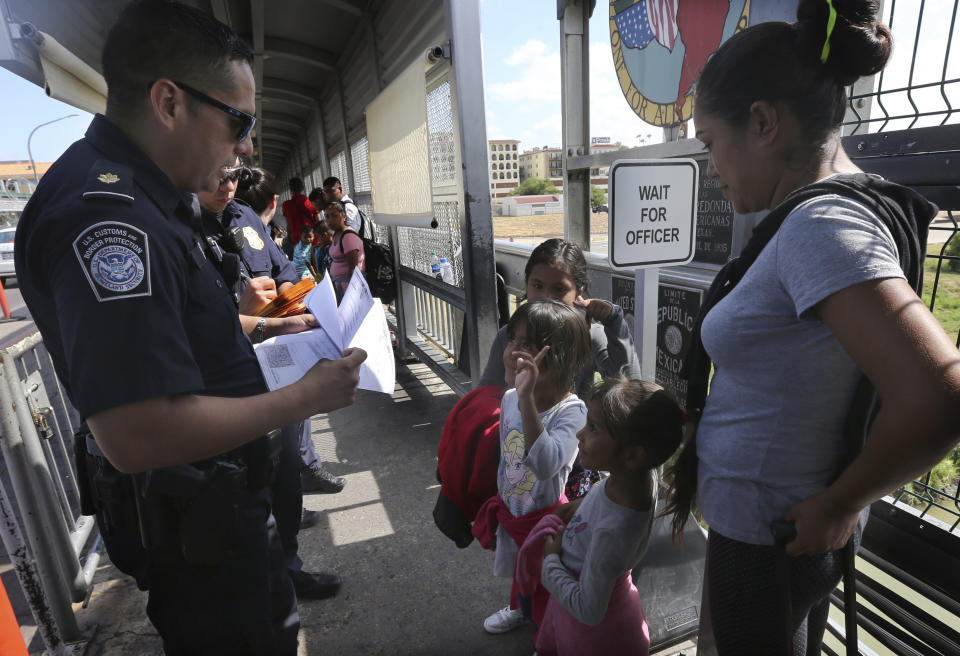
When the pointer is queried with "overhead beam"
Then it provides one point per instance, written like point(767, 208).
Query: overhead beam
point(342, 5)
point(305, 95)
point(221, 11)
point(256, 24)
point(272, 119)
point(279, 151)
point(283, 137)
point(272, 97)
point(303, 53)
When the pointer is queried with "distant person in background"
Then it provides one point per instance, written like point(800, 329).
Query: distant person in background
point(301, 252)
point(333, 190)
point(347, 248)
point(317, 200)
point(320, 258)
point(299, 211)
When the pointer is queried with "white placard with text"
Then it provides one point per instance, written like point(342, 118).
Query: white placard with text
point(653, 212)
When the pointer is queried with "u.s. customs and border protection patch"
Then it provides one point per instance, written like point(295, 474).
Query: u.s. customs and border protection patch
point(253, 239)
point(115, 258)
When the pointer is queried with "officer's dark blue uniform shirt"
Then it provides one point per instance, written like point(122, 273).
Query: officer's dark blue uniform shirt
point(129, 306)
point(261, 255)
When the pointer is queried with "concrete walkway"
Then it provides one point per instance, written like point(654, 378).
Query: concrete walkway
point(407, 588)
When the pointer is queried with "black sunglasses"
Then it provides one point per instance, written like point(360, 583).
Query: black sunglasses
point(246, 120)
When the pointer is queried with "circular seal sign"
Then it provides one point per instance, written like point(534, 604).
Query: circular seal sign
point(660, 47)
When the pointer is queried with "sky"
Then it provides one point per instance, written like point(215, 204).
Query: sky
point(25, 106)
point(521, 57)
point(521, 62)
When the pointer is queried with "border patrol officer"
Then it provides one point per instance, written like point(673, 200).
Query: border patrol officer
point(260, 256)
point(146, 340)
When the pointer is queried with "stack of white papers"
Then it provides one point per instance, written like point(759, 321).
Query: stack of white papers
point(359, 322)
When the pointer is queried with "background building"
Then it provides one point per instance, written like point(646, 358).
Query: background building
point(503, 157)
point(532, 205)
point(599, 175)
point(545, 163)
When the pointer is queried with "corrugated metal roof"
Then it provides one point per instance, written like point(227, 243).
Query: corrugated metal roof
point(300, 47)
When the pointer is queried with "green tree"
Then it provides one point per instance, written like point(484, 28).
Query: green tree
point(597, 196)
point(534, 187)
point(953, 249)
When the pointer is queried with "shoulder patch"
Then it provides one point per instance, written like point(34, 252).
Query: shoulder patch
point(253, 239)
point(115, 258)
point(109, 181)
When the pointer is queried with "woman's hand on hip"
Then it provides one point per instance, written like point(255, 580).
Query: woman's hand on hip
point(821, 525)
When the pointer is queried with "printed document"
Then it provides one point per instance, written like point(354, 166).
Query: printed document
point(359, 322)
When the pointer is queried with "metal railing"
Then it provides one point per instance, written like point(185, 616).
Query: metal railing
point(43, 531)
point(917, 85)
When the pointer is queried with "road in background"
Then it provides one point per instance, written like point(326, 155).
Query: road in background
point(13, 331)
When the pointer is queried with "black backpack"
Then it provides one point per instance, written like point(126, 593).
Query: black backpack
point(378, 265)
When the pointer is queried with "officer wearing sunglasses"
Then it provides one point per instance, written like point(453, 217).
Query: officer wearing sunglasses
point(145, 337)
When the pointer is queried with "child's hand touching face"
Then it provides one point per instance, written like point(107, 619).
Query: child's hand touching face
point(528, 371)
point(596, 309)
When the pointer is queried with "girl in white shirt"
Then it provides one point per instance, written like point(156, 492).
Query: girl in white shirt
point(539, 419)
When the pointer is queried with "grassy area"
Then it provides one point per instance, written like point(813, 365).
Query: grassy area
point(947, 306)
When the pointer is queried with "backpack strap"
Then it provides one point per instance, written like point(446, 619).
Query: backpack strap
point(363, 218)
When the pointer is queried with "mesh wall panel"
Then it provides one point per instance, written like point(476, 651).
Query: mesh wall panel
point(361, 169)
point(416, 244)
point(338, 169)
point(443, 157)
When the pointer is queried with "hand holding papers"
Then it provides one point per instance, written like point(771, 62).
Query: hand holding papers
point(358, 322)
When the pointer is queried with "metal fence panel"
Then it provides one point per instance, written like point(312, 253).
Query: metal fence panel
point(37, 467)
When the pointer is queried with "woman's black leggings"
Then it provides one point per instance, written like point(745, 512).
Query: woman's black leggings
point(747, 587)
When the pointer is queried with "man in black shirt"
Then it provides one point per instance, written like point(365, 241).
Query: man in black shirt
point(145, 337)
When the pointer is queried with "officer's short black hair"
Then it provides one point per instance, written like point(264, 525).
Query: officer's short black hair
point(332, 182)
point(296, 185)
point(154, 39)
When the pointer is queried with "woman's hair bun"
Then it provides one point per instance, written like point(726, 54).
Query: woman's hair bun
point(860, 44)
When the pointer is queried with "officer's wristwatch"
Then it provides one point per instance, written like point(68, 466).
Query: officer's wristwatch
point(257, 335)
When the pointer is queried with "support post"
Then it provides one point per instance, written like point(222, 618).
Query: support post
point(463, 28)
point(646, 299)
point(575, 103)
point(321, 141)
point(348, 156)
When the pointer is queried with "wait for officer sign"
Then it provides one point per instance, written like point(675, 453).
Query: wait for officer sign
point(653, 205)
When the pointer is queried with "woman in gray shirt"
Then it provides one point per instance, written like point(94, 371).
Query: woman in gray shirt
point(819, 297)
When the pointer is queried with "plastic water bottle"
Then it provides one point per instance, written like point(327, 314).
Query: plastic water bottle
point(435, 266)
point(446, 271)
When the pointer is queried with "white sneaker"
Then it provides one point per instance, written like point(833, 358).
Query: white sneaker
point(504, 620)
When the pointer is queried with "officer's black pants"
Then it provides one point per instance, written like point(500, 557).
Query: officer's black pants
point(243, 604)
point(288, 494)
